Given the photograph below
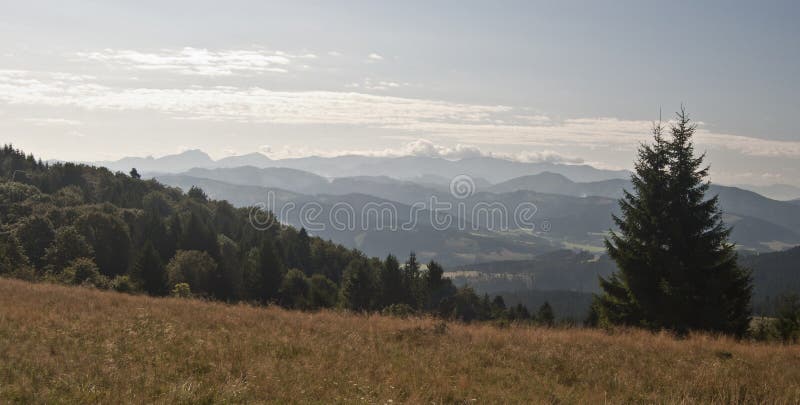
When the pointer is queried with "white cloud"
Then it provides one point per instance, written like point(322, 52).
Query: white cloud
point(197, 61)
point(473, 123)
point(424, 148)
point(242, 104)
point(375, 56)
point(377, 85)
point(43, 122)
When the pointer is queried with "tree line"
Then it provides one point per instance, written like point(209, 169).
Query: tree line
point(78, 224)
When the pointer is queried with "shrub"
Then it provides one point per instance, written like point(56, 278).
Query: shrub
point(194, 268)
point(398, 310)
point(81, 270)
point(294, 291)
point(763, 330)
point(123, 284)
point(181, 290)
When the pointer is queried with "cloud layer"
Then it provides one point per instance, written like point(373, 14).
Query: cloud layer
point(408, 117)
point(198, 61)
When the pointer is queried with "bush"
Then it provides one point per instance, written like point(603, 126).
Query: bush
point(294, 290)
point(194, 268)
point(398, 310)
point(181, 290)
point(123, 284)
point(82, 270)
point(26, 273)
point(763, 330)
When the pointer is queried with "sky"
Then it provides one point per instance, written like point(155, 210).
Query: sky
point(571, 82)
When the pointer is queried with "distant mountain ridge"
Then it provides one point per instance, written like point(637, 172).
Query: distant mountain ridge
point(783, 192)
point(407, 167)
point(580, 213)
point(427, 171)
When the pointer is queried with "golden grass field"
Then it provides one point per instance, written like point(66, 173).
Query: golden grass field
point(75, 345)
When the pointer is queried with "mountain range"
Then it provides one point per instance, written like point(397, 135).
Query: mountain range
point(428, 171)
point(406, 167)
point(577, 214)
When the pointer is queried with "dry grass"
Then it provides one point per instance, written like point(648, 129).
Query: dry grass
point(62, 344)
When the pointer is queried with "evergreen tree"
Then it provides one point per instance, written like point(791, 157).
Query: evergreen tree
point(359, 285)
point(520, 312)
point(787, 322)
point(150, 270)
point(229, 277)
point(303, 251)
point(437, 287)
point(110, 239)
point(464, 305)
point(676, 268)
point(411, 281)
point(710, 291)
point(174, 235)
point(155, 231)
point(197, 194)
point(545, 315)
point(197, 235)
point(392, 284)
point(270, 270)
point(640, 247)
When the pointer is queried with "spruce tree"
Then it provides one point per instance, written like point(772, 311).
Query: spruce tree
point(632, 296)
point(359, 285)
point(709, 290)
point(545, 316)
point(411, 281)
point(270, 269)
point(150, 270)
point(391, 281)
point(677, 270)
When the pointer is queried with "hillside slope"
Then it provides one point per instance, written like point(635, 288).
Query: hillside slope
point(68, 344)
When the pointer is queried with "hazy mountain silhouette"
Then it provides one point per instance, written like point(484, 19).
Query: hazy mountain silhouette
point(253, 159)
point(783, 192)
point(436, 170)
point(171, 163)
point(578, 214)
point(449, 246)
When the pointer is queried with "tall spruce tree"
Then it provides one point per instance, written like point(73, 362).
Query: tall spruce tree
point(392, 282)
point(150, 270)
point(711, 291)
point(270, 270)
point(677, 270)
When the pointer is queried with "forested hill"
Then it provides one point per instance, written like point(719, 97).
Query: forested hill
point(81, 224)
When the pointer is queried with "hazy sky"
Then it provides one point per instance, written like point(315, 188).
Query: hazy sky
point(575, 82)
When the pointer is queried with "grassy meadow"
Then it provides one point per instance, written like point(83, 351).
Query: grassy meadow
point(76, 345)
